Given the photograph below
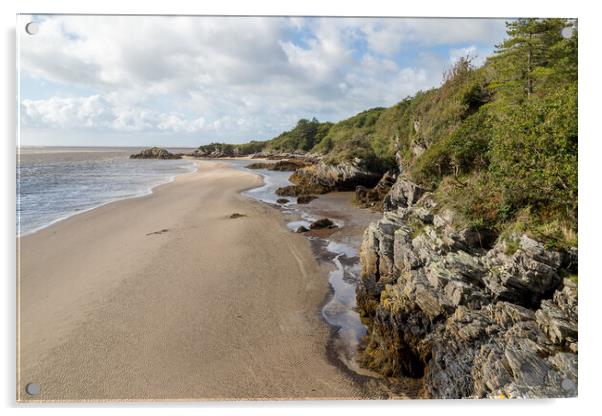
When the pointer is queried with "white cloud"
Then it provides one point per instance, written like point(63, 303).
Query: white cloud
point(65, 112)
point(389, 35)
point(230, 78)
point(95, 112)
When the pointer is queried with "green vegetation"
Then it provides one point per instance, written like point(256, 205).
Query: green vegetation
point(233, 149)
point(512, 247)
point(510, 160)
point(303, 137)
point(573, 278)
point(497, 143)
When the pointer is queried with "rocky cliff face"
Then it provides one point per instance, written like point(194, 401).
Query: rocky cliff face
point(471, 316)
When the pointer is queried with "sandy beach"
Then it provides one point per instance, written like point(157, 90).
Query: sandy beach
point(167, 297)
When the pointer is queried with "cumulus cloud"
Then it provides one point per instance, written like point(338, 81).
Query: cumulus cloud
point(231, 78)
point(95, 112)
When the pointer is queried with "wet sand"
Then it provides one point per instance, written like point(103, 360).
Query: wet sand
point(166, 297)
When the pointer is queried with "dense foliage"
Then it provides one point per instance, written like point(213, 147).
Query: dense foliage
point(497, 143)
point(303, 137)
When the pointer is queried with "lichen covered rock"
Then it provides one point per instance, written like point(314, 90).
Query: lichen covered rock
point(461, 313)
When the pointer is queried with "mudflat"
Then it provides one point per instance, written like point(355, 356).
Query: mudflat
point(166, 297)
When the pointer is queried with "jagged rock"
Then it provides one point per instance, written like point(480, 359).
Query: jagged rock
point(484, 323)
point(558, 316)
point(527, 276)
point(497, 349)
point(322, 223)
point(403, 193)
point(374, 197)
point(155, 153)
point(322, 177)
point(305, 199)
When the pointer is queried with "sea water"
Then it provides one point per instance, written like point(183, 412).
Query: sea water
point(56, 183)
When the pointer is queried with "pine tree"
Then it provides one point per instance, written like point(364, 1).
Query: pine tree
point(526, 59)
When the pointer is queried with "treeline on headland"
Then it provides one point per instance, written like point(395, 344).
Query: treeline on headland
point(497, 143)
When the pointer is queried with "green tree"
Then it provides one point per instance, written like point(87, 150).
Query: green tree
point(528, 57)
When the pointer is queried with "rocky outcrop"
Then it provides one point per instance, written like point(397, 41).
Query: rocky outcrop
point(374, 198)
point(402, 194)
point(215, 152)
point(260, 165)
point(469, 315)
point(155, 153)
point(323, 177)
point(290, 190)
point(275, 155)
point(282, 165)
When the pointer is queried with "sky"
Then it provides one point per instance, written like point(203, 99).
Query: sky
point(187, 81)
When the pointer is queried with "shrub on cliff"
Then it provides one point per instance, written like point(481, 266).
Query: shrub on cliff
point(534, 154)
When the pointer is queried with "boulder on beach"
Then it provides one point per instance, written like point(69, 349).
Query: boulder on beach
point(322, 223)
point(290, 190)
point(302, 229)
point(282, 201)
point(305, 199)
point(155, 153)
